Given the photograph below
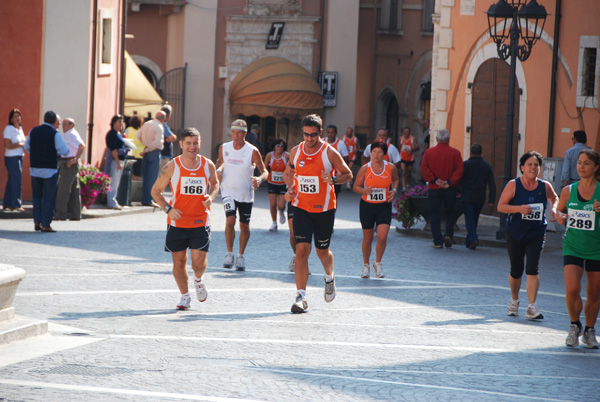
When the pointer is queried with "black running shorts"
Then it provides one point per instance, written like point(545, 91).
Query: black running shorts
point(320, 224)
point(180, 239)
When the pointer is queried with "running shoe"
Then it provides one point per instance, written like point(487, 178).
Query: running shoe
point(513, 308)
point(365, 271)
point(292, 265)
point(533, 313)
point(201, 292)
point(184, 303)
point(282, 217)
point(300, 306)
point(589, 338)
point(330, 290)
point(273, 227)
point(378, 269)
point(240, 263)
point(229, 259)
point(573, 336)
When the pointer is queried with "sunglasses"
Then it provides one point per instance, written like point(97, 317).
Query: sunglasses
point(279, 145)
point(311, 135)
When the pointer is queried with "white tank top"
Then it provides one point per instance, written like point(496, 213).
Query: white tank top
point(237, 173)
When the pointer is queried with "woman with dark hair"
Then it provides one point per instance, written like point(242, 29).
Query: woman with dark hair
point(580, 210)
point(14, 141)
point(377, 181)
point(117, 150)
point(276, 161)
point(135, 122)
point(525, 200)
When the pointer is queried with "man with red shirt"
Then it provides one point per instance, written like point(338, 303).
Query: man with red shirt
point(442, 168)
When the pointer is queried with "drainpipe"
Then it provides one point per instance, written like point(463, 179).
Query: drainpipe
point(123, 31)
point(552, 110)
point(92, 83)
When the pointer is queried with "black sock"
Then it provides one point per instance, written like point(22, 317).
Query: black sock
point(586, 328)
point(578, 323)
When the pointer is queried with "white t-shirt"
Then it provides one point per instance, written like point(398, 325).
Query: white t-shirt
point(15, 135)
point(238, 172)
point(340, 147)
point(392, 153)
point(73, 141)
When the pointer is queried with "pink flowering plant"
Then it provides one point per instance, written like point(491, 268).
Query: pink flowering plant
point(404, 213)
point(93, 183)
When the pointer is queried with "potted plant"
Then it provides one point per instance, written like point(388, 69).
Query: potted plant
point(406, 213)
point(93, 183)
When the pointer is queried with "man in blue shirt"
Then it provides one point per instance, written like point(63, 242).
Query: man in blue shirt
point(569, 170)
point(44, 145)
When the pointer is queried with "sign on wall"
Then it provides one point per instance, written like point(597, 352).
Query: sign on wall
point(328, 81)
point(275, 35)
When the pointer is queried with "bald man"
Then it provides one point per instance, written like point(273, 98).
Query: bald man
point(152, 136)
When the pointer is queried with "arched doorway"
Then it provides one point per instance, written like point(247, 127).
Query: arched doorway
point(387, 114)
point(488, 119)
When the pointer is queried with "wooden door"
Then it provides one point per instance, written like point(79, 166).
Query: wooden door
point(488, 125)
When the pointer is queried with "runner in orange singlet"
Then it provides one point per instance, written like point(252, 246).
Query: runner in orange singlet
point(310, 190)
point(276, 161)
point(352, 144)
point(377, 181)
point(194, 186)
point(408, 146)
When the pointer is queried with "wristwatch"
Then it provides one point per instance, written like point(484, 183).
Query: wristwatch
point(167, 208)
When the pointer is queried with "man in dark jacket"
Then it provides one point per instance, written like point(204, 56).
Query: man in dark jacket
point(476, 177)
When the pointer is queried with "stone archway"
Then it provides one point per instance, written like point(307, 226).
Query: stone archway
point(387, 114)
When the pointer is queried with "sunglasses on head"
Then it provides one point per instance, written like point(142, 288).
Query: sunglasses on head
point(311, 135)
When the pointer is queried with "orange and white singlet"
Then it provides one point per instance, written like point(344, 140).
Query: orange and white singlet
point(313, 194)
point(277, 169)
point(352, 145)
point(189, 189)
point(406, 148)
point(380, 182)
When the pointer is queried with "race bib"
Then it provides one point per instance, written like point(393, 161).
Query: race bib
point(350, 148)
point(193, 185)
point(308, 184)
point(406, 148)
point(536, 214)
point(378, 194)
point(277, 176)
point(228, 204)
point(582, 220)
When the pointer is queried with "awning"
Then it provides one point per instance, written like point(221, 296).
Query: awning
point(273, 86)
point(140, 95)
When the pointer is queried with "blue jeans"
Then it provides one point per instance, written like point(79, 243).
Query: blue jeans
point(437, 198)
point(150, 168)
point(471, 211)
point(115, 176)
point(12, 192)
point(44, 196)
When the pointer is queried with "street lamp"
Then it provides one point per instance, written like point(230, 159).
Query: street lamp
point(508, 23)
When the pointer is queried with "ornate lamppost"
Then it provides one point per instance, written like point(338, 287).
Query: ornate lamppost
point(515, 27)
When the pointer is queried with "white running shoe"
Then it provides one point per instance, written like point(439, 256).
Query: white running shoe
point(378, 269)
point(513, 308)
point(533, 313)
point(273, 227)
point(240, 263)
point(229, 259)
point(365, 271)
point(589, 338)
point(184, 303)
point(330, 290)
point(292, 265)
point(201, 292)
point(573, 335)
point(300, 306)
point(282, 217)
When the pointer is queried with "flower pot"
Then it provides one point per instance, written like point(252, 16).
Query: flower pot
point(420, 205)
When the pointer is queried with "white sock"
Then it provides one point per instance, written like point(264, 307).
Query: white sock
point(197, 279)
point(530, 305)
point(302, 292)
point(328, 278)
point(240, 255)
point(186, 294)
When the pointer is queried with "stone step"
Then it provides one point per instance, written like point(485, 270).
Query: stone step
point(20, 327)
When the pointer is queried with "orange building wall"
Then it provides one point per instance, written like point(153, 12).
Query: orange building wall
point(150, 29)
point(20, 71)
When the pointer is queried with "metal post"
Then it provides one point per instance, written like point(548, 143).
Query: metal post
point(510, 118)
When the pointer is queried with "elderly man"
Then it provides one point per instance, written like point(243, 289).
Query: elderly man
point(44, 145)
point(167, 152)
point(392, 156)
point(152, 136)
point(442, 168)
point(68, 195)
point(569, 170)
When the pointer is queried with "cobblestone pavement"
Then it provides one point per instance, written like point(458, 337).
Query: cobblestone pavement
point(435, 329)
